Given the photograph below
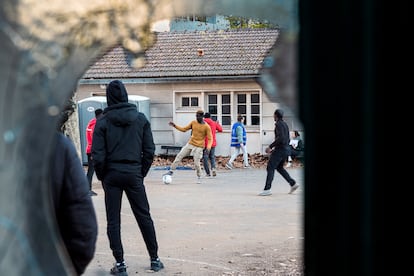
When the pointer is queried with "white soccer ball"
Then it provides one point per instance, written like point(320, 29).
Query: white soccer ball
point(167, 179)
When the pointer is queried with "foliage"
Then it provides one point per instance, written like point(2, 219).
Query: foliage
point(237, 22)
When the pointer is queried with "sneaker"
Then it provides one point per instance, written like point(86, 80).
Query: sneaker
point(246, 167)
point(214, 173)
point(229, 166)
point(92, 193)
point(198, 180)
point(156, 265)
point(293, 188)
point(169, 173)
point(119, 269)
point(265, 193)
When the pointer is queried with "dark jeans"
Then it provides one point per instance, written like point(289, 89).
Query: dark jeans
point(276, 161)
point(91, 170)
point(295, 153)
point(211, 156)
point(115, 184)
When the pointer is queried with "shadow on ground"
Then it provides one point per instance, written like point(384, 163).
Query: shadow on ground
point(218, 227)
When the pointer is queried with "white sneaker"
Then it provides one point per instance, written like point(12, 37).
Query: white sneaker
point(198, 180)
point(229, 166)
point(293, 188)
point(246, 167)
point(265, 193)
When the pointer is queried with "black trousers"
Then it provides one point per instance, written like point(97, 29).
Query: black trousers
point(295, 153)
point(276, 161)
point(115, 184)
point(91, 170)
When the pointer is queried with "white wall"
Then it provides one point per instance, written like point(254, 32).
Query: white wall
point(163, 110)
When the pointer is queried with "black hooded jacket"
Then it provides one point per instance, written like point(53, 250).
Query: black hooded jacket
point(281, 135)
point(73, 206)
point(122, 139)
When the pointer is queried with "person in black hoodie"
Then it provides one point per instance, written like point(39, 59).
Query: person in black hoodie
point(123, 151)
point(279, 151)
point(73, 206)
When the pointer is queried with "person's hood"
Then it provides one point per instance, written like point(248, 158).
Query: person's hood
point(121, 114)
point(116, 93)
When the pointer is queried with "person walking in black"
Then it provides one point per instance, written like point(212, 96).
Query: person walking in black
point(123, 150)
point(279, 151)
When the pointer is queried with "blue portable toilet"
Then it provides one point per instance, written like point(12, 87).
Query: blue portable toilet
point(142, 103)
point(86, 111)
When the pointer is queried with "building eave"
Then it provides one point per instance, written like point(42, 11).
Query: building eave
point(168, 79)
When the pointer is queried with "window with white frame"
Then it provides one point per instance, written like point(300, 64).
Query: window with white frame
point(189, 101)
point(223, 106)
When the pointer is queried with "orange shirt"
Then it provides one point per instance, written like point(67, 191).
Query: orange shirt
point(199, 133)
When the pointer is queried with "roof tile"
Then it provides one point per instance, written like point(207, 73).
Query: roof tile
point(232, 52)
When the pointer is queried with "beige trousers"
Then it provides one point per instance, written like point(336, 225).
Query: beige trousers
point(189, 150)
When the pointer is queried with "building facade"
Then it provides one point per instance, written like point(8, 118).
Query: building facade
point(216, 71)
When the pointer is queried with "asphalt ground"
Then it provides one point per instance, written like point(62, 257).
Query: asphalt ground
point(218, 227)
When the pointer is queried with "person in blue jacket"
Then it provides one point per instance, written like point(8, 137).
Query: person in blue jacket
point(238, 143)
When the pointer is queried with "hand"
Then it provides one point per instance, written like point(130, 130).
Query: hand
point(268, 150)
point(171, 124)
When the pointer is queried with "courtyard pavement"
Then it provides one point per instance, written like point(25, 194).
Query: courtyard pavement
point(207, 228)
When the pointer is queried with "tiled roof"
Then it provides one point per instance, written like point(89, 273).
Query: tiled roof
point(238, 52)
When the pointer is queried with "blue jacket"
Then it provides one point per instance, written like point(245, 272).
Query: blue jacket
point(237, 138)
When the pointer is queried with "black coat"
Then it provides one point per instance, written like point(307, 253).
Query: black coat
point(73, 206)
point(281, 135)
point(122, 141)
